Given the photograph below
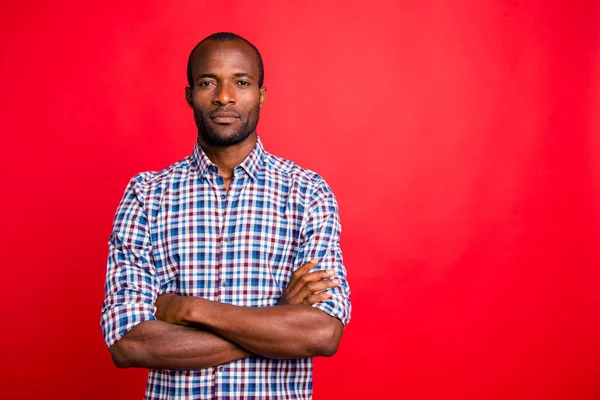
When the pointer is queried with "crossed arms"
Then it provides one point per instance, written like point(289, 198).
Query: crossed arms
point(186, 332)
point(194, 333)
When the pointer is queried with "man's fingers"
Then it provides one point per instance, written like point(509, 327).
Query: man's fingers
point(304, 268)
point(291, 290)
point(313, 287)
point(307, 279)
point(318, 297)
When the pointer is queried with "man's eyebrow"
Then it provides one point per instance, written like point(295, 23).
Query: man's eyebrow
point(202, 76)
point(237, 75)
point(243, 75)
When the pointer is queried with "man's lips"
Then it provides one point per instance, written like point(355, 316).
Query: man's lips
point(224, 117)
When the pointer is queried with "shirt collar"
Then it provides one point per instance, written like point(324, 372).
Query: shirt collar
point(251, 164)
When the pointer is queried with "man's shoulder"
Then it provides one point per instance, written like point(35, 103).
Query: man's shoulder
point(151, 181)
point(289, 170)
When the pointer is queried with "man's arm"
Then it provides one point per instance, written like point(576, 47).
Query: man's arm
point(163, 345)
point(285, 331)
point(292, 329)
point(158, 344)
point(135, 337)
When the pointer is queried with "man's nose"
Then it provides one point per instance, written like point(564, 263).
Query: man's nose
point(224, 95)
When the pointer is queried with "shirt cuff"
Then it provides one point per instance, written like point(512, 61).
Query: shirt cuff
point(119, 319)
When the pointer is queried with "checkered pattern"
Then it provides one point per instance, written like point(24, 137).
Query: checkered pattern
point(179, 231)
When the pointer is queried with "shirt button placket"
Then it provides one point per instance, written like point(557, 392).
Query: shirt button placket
point(222, 195)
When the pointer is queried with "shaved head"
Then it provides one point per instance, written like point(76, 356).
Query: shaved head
point(225, 37)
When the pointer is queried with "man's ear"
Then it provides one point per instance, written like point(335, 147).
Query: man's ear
point(263, 96)
point(188, 95)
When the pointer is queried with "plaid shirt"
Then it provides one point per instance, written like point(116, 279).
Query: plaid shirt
point(180, 231)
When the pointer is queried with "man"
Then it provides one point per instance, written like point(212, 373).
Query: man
point(225, 275)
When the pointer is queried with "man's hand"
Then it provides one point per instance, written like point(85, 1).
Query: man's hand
point(169, 308)
point(308, 287)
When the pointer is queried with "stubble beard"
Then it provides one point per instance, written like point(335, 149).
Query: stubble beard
point(214, 138)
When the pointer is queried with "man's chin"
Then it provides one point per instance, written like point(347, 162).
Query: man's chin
point(224, 137)
point(225, 131)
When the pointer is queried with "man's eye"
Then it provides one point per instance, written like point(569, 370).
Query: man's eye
point(204, 83)
point(243, 83)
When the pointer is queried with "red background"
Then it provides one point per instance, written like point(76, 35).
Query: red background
point(461, 139)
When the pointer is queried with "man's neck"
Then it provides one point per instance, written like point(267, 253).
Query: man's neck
point(226, 158)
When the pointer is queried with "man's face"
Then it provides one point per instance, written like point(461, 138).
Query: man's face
point(225, 97)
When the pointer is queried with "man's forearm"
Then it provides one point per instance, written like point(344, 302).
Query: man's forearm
point(291, 331)
point(160, 345)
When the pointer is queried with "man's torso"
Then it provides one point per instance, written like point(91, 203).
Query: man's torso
point(239, 247)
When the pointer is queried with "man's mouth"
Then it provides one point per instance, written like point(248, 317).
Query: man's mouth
point(224, 117)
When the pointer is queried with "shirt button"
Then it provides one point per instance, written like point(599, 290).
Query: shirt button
point(226, 238)
point(221, 368)
point(224, 283)
point(223, 196)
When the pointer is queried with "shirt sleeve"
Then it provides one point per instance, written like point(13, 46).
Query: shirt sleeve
point(131, 285)
point(320, 237)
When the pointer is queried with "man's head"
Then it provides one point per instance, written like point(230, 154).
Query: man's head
point(225, 76)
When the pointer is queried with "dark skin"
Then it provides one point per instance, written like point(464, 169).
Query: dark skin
point(176, 341)
point(225, 78)
point(195, 333)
